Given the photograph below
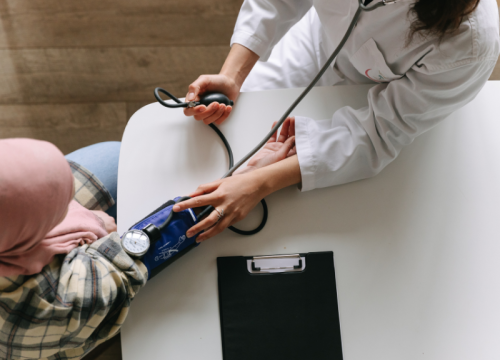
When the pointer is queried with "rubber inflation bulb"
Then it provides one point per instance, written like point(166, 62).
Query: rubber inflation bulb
point(207, 99)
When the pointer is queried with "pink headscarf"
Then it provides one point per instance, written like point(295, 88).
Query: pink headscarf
point(36, 187)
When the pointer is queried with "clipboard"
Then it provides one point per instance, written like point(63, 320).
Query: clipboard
point(279, 307)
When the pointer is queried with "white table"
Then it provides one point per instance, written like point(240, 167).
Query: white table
point(417, 248)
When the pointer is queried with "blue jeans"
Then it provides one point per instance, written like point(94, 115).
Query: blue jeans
point(102, 160)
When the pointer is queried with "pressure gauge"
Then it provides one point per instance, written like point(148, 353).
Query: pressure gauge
point(135, 243)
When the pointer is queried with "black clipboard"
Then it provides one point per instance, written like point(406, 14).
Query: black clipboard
point(279, 307)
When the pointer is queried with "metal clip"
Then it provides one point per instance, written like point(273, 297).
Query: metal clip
point(276, 263)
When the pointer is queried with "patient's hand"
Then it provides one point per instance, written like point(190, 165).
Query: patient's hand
point(276, 149)
point(108, 222)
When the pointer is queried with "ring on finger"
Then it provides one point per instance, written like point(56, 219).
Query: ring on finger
point(220, 213)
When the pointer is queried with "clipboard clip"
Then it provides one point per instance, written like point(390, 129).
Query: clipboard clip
point(276, 263)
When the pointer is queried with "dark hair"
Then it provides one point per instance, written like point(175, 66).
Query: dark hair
point(438, 17)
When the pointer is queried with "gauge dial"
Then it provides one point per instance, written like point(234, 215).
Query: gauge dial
point(135, 242)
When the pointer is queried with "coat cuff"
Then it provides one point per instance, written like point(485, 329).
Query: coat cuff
point(253, 43)
point(305, 153)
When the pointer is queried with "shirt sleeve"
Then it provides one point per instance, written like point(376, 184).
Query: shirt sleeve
point(358, 144)
point(262, 23)
point(90, 192)
point(74, 304)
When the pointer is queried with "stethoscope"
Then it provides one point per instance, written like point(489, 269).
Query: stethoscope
point(207, 99)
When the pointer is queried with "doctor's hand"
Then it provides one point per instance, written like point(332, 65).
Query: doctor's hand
point(215, 112)
point(238, 64)
point(276, 149)
point(235, 195)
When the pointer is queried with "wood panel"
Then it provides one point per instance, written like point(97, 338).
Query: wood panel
point(110, 23)
point(496, 72)
point(69, 126)
point(110, 350)
point(108, 74)
point(20, 7)
point(132, 107)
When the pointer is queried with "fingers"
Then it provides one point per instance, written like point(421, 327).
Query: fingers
point(291, 128)
point(224, 116)
point(286, 148)
point(200, 197)
point(198, 201)
point(206, 188)
point(214, 113)
point(197, 87)
point(195, 111)
point(287, 130)
point(208, 111)
point(284, 130)
point(205, 224)
point(221, 109)
point(214, 230)
point(108, 222)
point(291, 132)
point(275, 135)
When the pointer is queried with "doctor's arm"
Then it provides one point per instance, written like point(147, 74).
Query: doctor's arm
point(357, 144)
point(239, 194)
point(353, 145)
point(238, 64)
point(259, 27)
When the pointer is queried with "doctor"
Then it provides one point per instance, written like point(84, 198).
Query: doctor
point(426, 58)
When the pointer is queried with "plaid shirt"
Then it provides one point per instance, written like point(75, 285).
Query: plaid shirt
point(89, 190)
point(77, 301)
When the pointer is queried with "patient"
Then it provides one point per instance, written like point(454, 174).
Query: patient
point(65, 283)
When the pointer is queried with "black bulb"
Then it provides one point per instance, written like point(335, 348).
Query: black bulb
point(207, 99)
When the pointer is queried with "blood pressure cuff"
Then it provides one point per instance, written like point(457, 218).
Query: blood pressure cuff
point(173, 242)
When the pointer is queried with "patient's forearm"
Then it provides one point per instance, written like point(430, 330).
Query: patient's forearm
point(238, 63)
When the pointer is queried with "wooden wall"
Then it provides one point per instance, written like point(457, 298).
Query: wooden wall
point(73, 72)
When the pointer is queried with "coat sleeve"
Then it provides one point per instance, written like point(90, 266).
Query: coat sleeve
point(74, 304)
point(358, 144)
point(262, 23)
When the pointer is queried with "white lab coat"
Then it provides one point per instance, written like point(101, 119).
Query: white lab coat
point(420, 84)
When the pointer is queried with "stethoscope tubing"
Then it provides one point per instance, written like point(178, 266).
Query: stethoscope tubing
point(179, 104)
point(232, 168)
point(330, 60)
